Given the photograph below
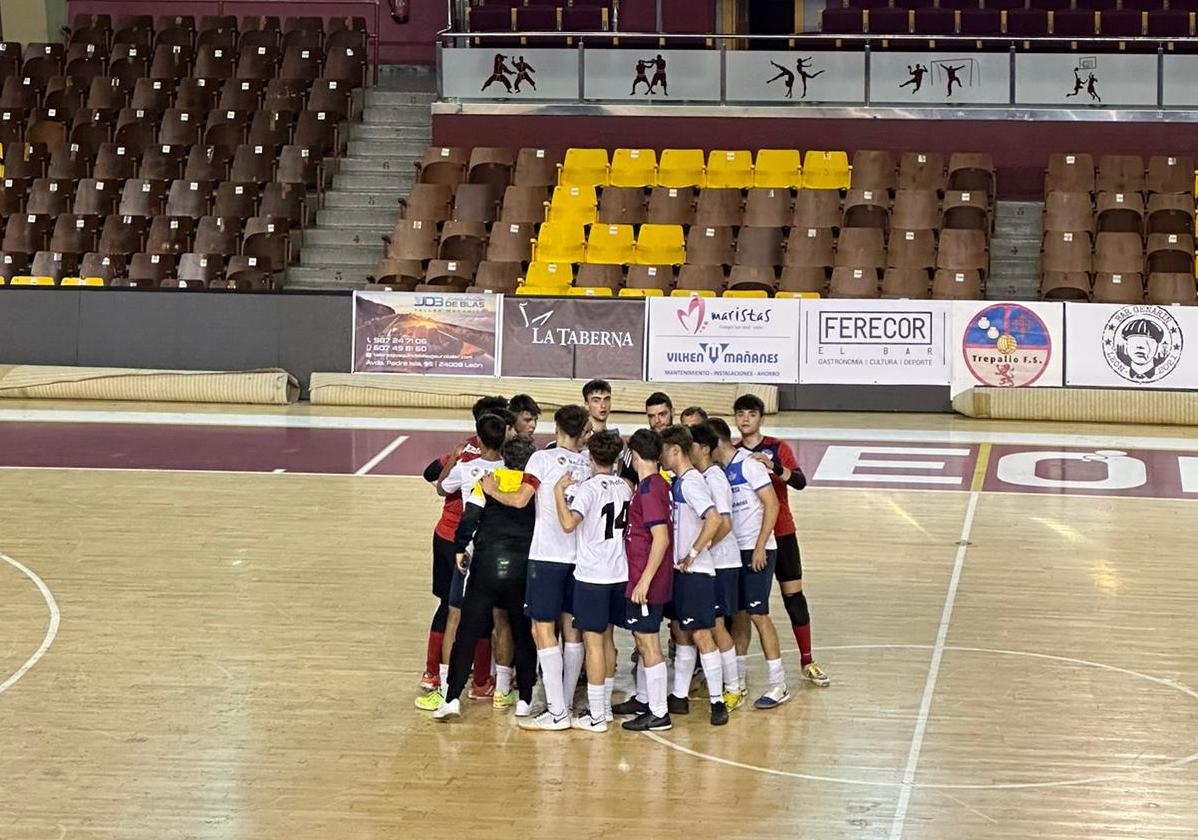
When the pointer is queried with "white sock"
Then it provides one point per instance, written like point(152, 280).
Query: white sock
point(503, 679)
point(642, 683)
point(595, 701)
point(550, 660)
point(742, 667)
point(573, 658)
point(444, 671)
point(713, 669)
point(728, 659)
point(655, 679)
point(684, 668)
point(775, 672)
point(609, 685)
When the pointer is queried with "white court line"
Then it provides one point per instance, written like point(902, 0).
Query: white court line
point(382, 454)
point(51, 631)
point(929, 686)
point(288, 421)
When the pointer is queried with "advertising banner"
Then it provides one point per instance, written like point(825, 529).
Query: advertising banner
point(509, 73)
point(1007, 345)
point(793, 78)
point(1079, 80)
point(724, 340)
point(1134, 346)
point(649, 74)
point(450, 334)
point(581, 338)
point(875, 342)
point(920, 78)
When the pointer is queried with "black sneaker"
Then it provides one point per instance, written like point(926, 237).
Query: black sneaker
point(678, 705)
point(719, 714)
point(631, 706)
point(648, 723)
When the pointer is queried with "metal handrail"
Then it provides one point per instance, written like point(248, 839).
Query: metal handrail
point(815, 36)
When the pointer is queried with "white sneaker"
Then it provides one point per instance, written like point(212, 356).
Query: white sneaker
point(448, 711)
point(609, 715)
point(776, 696)
point(546, 722)
point(587, 723)
point(523, 709)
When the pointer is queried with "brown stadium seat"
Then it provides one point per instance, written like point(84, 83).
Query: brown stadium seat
point(491, 165)
point(803, 280)
point(1170, 175)
point(346, 64)
point(650, 277)
point(1169, 288)
point(267, 239)
point(1116, 287)
point(1120, 174)
point(196, 96)
point(12, 196)
point(963, 250)
point(672, 206)
point(817, 209)
point(1070, 173)
point(105, 266)
point(909, 283)
point(475, 203)
point(523, 205)
point(129, 62)
point(208, 164)
point(215, 235)
point(188, 198)
point(180, 128)
point(402, 275)
point(161, 165)
point(200, 268)
point(916, 210)
point(442, 165)
point(48, 132)
point(810, 248)
point(966, 210)
point(152, 95)
point(152, 268)
point(867, 208)
point(239, 200)
point(414, 239)
point(854, 283)
point(90, 128)
point(948, 284)
point(271, 128)
point(752, 278)
point(874, 170)
point(49, 197)
point(282, 95)
point(301, 62)
point(68, 163)
point(861, 248)
point(13, 264)
point(25, 161)
point(114, 163)
point(95, 198)
point(300, 39)
point(499, 277)
point(719, 207)
point(622, 206)
point(74, 234)
point(53, 264)
point(1119, 252)
point(768, 207)
point(19, 94)
point(592, 276)
point(1170, 253)
point(283, 201)
point(1065, 285)
point(331, 96)
point(758, 246)
point(510, 242)
point(171, 61)
point(122, 234)
point(318, 130)
point(537, 167)
point(241, 95)
point(1066, 251)
point(299, 165)
point(170, 236)
point(1069, 211)
point(1118, 212)
point(136, 130)
point(463, 241)
point(252, 164)
point(105, 93)
point(701, 278)
point(706, 245)
point(1171, 213)
point(972, 172)
point(256, 62)
point(245, 274)
point(430, 202)
point(922, 171)
point(911, 249)
point(453, 273)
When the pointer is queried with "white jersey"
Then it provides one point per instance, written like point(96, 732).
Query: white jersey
point(549, 541)
point(747, 476)
point(726, 553)
point(692, 501)
point(602, 502)
point(465, 474)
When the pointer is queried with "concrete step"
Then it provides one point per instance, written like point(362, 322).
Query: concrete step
point(404, 166)
point(376, 98)
point(409, 115)
point(301, 277)
point(397, 131)
point(376, 182)
point(1016, 249)
point(320, 237)
point(354, 200)
point(372, 219)
point(398, 149)
point(364, 256)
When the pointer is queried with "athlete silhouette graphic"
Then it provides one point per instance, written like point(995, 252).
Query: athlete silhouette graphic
point(659, 75)
point(1092, 87)
point(499, 73)
point(787, 77)
point(917, 73)
point(1078, 84)
point(641, 68)
point(802, 64)
point(524, 72)
point(952, 76)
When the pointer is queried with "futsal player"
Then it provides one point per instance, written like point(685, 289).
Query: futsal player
point(526, 412)
point(692, 415)
point(497, 568)
point(549, 595)
point(777, 455)
point(659, 411)
point(596, 398)
point(696, 522)
point(598, 515)
point(443, 560)
point(754, 514)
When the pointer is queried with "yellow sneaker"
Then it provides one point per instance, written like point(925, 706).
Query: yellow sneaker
point(733, 699)
point(504, 701)
point(815, 675)
point(430, 702)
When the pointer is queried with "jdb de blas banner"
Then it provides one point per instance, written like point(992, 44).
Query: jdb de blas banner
point(415, 332)
point(723, 340)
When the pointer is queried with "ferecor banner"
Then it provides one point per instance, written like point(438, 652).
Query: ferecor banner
point(574, 337)
point(449, 334)
point(723, 340)
point(1007, 345)
point(875, 342)
point(1133, 346)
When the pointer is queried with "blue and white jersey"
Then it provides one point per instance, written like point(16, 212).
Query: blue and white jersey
point(692, 501)
point(726, 553)
point(747, 477)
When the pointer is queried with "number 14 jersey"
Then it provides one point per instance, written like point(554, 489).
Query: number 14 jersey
point(602, 502)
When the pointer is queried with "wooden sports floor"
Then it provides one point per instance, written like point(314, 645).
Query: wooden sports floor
point(219, 655)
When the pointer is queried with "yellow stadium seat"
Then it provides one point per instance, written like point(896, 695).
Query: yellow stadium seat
point(688, 293)
point(548, 275)
point(633, 168)
point(661, 245)
point(543, 291)
point(826, 171)
point(589, 291)
point(573, 205)
point(730, 170)
point(641, 293)
point(26, 280)
point(584, 168)
point(746, 293)
point(778, 168)
point(611, 245)
point(82, 281)
point(803, 295)
point(681, 168)
point(561, 243)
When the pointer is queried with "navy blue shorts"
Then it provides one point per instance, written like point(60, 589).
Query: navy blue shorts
point(694, 600)
point(457, 588)
point(597, 605)
point(549, 591)
point(727, 592)
point(642, 618)
point(755, 586)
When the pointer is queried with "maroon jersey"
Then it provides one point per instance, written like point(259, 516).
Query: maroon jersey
point(779, 452)
point(451, 511)
point(651, 505)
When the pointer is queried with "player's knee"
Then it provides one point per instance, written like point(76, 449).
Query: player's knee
point(440, 617)
point(796, 608)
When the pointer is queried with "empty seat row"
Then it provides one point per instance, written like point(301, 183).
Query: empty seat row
point(1077, 173)
point(149, 271)
point(1017, 23)
point(1165, 213)
point(537, 18)
point(1011, 5)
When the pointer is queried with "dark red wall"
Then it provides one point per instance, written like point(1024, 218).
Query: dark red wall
point(1020, 149)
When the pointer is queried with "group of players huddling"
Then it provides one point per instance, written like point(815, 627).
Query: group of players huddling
point(546, 551)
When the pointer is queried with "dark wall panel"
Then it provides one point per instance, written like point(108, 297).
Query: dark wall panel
point(39, 327)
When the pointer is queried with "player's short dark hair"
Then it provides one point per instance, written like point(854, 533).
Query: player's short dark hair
point(646, 443)
point(605, 447)
point(658, 398)
point(487, 405)
point(524, 402)
point(571, 419)
point(749, 402)
point(517, 451)
point(695, 410)
point(491, 430)
point(506, 415)
point(704, 435)
point(677, 435)
point(596, 386)
point(720, 428)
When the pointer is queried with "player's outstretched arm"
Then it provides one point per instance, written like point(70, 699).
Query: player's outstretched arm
point(516, 499)
point(432, 473)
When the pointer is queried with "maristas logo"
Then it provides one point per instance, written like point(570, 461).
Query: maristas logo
point(696, 317)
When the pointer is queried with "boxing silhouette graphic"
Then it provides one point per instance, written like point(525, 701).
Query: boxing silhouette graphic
point(658, 65)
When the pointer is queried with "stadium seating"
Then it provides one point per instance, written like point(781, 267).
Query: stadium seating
point(161, 153)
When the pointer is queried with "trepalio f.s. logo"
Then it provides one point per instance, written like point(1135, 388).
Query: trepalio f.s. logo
point(1142, 343)
point(1006, 346)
